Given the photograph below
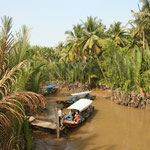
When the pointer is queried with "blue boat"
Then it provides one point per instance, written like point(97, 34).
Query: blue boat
point(49, 89)
point(76, 97)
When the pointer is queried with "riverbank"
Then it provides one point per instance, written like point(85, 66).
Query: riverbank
point(130, 99)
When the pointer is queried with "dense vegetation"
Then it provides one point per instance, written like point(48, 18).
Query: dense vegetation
point(17, 72)
point(118, 56)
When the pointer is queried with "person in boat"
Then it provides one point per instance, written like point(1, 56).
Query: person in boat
point(76, 116)
point(73, 112)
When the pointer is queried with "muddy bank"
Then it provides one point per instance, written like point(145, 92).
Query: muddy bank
point(131, 99)
point(48, 141)
point(78, 86)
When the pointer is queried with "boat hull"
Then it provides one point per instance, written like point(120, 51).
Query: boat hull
point(64, 103)
point(49, 91)
point(69, 102)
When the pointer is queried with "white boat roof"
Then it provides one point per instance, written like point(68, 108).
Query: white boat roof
point(81, 104)
point(82, 93)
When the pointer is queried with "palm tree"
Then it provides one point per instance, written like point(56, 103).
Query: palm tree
point(76, 33)
point(91, 41)
point(118, 33)
point(20, 47)
point(72, 43)
point(145, 6)
point(14, 106)
point(141, 22)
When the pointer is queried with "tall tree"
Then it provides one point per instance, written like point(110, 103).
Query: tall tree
point(91, 41)
point(73, 41)
point(118, 33)
point(142, 22)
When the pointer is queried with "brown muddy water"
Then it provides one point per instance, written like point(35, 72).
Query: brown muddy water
point(111, 127)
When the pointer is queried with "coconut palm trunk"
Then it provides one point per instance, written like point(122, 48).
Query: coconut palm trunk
point(99, 64)
point(143, 39)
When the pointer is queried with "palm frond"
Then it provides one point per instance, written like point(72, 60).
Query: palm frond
point(6, 43)
point(9, 78)
point(16, 106)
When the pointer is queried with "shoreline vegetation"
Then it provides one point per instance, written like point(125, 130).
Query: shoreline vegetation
point(92, 55)
point(130, 99)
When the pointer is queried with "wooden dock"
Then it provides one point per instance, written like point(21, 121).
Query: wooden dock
point(46, 124)
point(51, 123)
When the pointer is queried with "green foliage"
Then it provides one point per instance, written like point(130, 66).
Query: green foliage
point(118, 33)
point(20, 47)
point(15, 72)
point(28, 135)
point(73, 72)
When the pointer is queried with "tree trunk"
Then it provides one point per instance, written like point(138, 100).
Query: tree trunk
point(143, 39)
point(89, 79)
point(100, 66)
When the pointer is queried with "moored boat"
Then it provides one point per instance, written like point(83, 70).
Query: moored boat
point(50, 89)
point(76, 97)
point(82, 108)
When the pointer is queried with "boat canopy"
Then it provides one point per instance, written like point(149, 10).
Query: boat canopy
point(50, 86)
point(81, 104)
point(82, 93)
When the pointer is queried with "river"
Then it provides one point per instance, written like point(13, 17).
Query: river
point(111, 127)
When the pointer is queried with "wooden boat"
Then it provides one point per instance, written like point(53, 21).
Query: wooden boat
point(50, 89)
point(76, 97)
point(83, 107)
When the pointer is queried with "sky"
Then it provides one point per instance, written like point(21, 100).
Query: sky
point(49, 19)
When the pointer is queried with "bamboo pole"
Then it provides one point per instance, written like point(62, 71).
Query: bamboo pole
point(57, 123)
